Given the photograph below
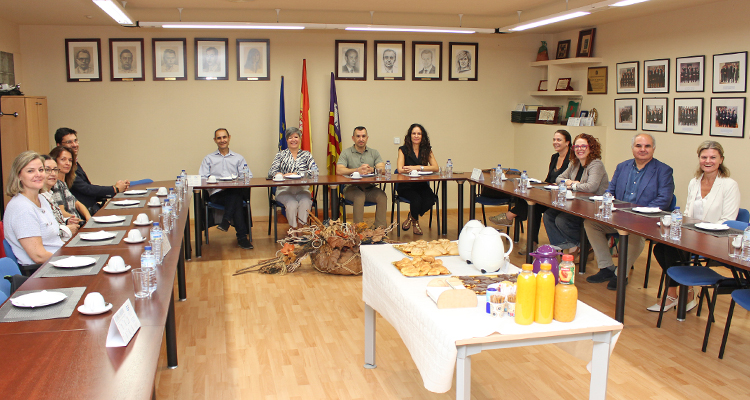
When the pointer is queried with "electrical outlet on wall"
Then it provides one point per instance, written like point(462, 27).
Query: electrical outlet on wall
point(396, 140)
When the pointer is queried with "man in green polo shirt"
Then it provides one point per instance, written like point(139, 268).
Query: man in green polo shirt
point(362, 159)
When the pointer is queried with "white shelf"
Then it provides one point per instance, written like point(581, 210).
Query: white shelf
point(568, 61)
point(566, 93)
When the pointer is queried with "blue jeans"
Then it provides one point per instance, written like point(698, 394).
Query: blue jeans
point(563, 229)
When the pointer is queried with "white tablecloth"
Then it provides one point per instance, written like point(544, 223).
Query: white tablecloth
point(430, 334)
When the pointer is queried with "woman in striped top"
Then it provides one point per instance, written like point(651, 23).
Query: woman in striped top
point(293, 161)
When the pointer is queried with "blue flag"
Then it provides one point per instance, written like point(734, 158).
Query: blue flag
point(282, 118)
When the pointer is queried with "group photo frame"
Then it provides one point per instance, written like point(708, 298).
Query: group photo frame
point(689, 73)
point(728, 117)
point(656, 76)
point(626, 114)
point(730, 73)
point(126, 60)
point(351, 60)
point(463, 61)
point(389, 60)
point(253, 59)
point(83, 60)
point(170, 59)
point(688, 116)
point(427, 61)
point(627, 77)
point(654, 114)
point(211, 59)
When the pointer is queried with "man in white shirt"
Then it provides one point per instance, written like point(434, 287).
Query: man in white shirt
point(224, 162)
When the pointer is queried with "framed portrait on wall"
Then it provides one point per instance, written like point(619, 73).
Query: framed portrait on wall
point(688, 116)
point(626, 114)
point(170, 59)
point(253, 59)
point(627, 77)
point(427, 61)
point(656, 76)
point(563, 49)
point(389, 60)
point(126, 60)
point(689, 73)
point(655, 114)
point(728, 117)
point(211, 59)
point(730, 73)
point(463, 64)
point(351, 60)
point(83, 60)
point(586, 43)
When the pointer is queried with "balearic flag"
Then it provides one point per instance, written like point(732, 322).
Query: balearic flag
point(334, 131)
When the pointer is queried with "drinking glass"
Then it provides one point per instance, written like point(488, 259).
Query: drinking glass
point(141, 283)
point(516, 185)
point(378, 172)
point(493, 176)
point(734, 245)
point(598, 208)
point(664, 222)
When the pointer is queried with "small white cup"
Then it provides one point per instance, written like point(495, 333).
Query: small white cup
point(355, 174)
point(211, 179)
point(569, 195)
point(134, 234)
point(142, 218)
point(94, 302)
point(153, 201)
point(162, 191)
point(278, 177)
point(116, 263)
point(414, 172)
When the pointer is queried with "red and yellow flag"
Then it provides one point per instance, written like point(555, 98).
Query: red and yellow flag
point(304, 111)
point(334, 131)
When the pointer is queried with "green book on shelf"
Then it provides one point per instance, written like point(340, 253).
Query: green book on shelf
point(572, 110)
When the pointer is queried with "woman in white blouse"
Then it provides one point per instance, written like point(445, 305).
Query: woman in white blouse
point(712, 197)
point(293, 161)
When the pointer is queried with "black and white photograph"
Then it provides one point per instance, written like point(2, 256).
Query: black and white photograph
point(655, 114)
point(656, 76)
point(627, 77)
point(83, 59)
point(211, 59)
point(7, 69)
point(688, 116)
point(463, 61)
point(728, 116)
point(351, 60)
point(126, 60)
point(253, 59)
point(427, 61)
point(170, 59)
point(626, 114)
point(730, 73)
point(563, 49)
point(689, 73)
point(389, 60)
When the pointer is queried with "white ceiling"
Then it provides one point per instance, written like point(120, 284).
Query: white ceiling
point(476, 13)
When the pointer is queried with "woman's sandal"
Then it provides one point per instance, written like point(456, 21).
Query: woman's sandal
point(407, 224)
point(417, 228)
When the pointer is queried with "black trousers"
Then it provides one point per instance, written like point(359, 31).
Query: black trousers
point(521, 209)
point(668, 256)
point(420, 196)
point(231, 200)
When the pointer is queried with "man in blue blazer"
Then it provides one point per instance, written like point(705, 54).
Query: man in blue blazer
point(644, 181)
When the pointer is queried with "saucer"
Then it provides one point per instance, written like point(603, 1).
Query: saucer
point(154, 205)
point(110, 271)
point(127, 240)
point(355, 177)
point(214, 182)
point(162, 195)
point(143, 224)
point(83, 310)
point(278, 180)
point(294, 176)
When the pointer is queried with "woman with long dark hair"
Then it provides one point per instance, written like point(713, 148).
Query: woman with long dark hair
point(416, 155)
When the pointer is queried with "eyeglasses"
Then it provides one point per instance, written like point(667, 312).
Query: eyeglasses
point(581, 146)
point(52, 170)
point(69, 142)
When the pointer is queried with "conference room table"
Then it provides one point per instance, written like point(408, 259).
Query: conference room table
point(626, 223)
point(330, 185)
point(66, 358)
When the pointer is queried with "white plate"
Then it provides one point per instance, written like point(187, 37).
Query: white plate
point(367, 175)
point(109, 219)
point(711, 227)
point(596, 198)
point(647, 210)
point(534, 180)
point(426, 172)
point(127, 240)
point(214, 182)
point(226, 178)
point(74, 262)
point(144, 224)
point(293, 176)
point(38, 299)
point(134, 192)
point(355, 177)
point(551, 187)
point(111, 271)
point(126, 202)
point(101, 235)
point(83, 310)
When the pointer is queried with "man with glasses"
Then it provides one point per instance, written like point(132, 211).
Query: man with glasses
point(87, 193)
point(83, 62)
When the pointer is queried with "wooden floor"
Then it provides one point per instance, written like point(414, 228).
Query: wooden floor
point(301, 336)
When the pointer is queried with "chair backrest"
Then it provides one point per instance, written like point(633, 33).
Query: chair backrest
point(737, 224)
point(2, 237)
point(7, 267)
point(743, 215)
point(9, 251)
point(673, 204)
point(141, 182)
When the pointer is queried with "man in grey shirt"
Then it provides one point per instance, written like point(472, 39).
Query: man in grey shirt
point(224, 163)
point(362, 159)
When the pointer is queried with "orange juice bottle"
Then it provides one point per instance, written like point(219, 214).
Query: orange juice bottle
point(566, 293)
point(545, 295)
point(525, 295)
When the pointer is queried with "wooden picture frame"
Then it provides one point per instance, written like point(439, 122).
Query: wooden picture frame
point(563, 49)
point(655, 114)
point(730, 73)
point(563, 84)
point(626, 114)
point(542, 86)
point(83, 60)
point(464, 61)
point(627, 77)
point(586, 43)
point(728, 117)
point(656, 76)
point(126, 60)
point(351, 60)
point(547, 115)
point(596, 80)
point(688, 116)
point(253, 59)
point(689, 74)
point(389, 60)
point(170, 59)
point(427, 61)
point(211, 59)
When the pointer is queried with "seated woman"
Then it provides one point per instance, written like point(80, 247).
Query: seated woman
point(586, 173)
point(29, 226)
point(416, 155)
point(712, 197)
point(296, 199)
point(63, 198)
point(67, 228)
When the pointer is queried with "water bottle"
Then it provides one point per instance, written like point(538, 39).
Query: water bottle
point(524, 182)
point(388, 170)
point(246, 173)
point(184, 183)
point(148, 263)
point(449, 168)
point(156, 242)
point(166, 209)
point(498, 174)
point(172, 197)
point(745, 256)
point(607, 205)
point(562, 190)
point(315, 173)
point(675, 229)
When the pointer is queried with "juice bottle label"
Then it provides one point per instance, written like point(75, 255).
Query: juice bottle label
point(567, 273)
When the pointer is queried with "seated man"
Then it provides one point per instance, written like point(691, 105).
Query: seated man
point(644, 181)
point(360, 158)
point(224, 162)
point(85, 192)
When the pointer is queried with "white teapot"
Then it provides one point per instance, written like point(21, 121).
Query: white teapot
point(488, 252)
point(466, 239)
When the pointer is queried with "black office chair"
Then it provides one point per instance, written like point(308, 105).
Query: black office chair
point(211, 220)
point(396, 201)
point(273, 205)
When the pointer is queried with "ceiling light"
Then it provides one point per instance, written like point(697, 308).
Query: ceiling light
point(550, 20)
point(116, 11)
point(219, 25)
point(624, 3)
point(425, 29)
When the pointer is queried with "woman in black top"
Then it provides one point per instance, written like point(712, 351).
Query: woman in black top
point(416, 155)
point(557, 165)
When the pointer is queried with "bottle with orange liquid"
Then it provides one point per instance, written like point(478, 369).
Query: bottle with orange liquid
point(545, 295)
point(566, 293)
point(525, 295)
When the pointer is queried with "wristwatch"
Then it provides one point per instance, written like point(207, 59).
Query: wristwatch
point(421, 168)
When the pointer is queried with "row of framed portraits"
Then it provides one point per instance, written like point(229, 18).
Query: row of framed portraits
point(729, 74)
point(727, 115)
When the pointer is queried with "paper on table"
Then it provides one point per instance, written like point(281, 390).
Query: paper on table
point(194, 180)
point(123, 326)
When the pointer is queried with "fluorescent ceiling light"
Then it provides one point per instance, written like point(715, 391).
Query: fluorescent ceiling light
point(551, 20)
point(426, 29)
point(220, 25)
point(624, 3)
point(115, 10)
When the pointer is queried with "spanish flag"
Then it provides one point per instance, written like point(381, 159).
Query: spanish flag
point(304, 111)
point(334, 131)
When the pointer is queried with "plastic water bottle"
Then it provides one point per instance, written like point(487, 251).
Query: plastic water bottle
point(156, 235)
point(675, 229)
point(607, 205)
point(166, 209)
point(498, 174)
point(184, 183)
point(246, 173)
point(148, 263)
point(315, 173)
point(449, 168)
point(745, 256)
point(172, 196)
point(562, 191)
point(524, 182)
point(388, 169)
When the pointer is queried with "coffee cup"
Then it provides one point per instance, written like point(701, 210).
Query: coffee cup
point(94, 302)
point(569, 195)
point(134, 234)
point(153, 201)
point(278, 177)
point(116, 263)
point(162, 191)
point(211, 179)
point(414, 172)
point(142, 218)
point(355, 174)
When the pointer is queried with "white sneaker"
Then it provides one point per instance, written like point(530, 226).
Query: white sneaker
point(671, 303)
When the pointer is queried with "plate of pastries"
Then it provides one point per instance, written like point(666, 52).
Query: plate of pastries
point(435, 248)
point(421, 266)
